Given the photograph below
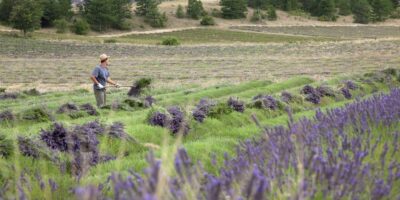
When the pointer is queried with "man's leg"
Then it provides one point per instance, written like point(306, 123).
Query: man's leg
point(99, 94)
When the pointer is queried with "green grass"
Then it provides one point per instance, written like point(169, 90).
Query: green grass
point(214, 136)
point(210, 35)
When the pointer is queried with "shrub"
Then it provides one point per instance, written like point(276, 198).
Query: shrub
point(32, 92)
point(38, 114)
point(179, 12)
point(207, 21)
point(134, 103)
point(325, 91)
point(80, 27)
point(139, 86)
point(171, 41)
point(236, 105)
point(265, 102)
point(307, 89)
point(27, 147)
point(219, 110)
point(177, 124)
point(76, 114)
point(8, 95)
point(313, 98)
point(195, 9)
point(202, 109)
point(61, 25)
point(156, 19)
point(149, 101)
point(6, 147)
point(257, 15)
point(271, 13)
point(110, 41)
point(55, 137)
point(351, 85)
point(216, 13)
point(396, 13)
point(346, 93)
point(7, 116)
point(2, 90)
point(158, 119)
point(67, 108)
point(286, 97)
point(117, 131)
point(91, 110)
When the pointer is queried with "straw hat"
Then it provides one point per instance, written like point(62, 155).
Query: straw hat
point(103, 57)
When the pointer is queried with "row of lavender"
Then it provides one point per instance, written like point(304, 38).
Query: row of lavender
point(345, 153)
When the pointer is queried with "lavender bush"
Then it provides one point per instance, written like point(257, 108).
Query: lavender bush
point(265, 102)
point(202, 109)
point(343, 153)
point(236, 105)
point(68, 107)
point(7, 116)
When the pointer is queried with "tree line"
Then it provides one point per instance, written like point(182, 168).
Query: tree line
point(101, 15)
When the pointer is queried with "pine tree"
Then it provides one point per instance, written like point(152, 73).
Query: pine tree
point(104, 14)
point(261, 4)
point(144, 6)
point(25, 15)
point(271, 13)
point(362, 11)
point(55, 9)
point(195, 9)
point(179, 12)
point(381, 9)
point(326, 10)
point(344, 7)
point(6, 7)
point(233, 9)
point(291, 5)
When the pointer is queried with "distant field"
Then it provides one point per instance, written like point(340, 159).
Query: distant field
point(207, 35)
point(330, 31)
point(66, 65)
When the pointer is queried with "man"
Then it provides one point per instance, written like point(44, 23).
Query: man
point(100, 77)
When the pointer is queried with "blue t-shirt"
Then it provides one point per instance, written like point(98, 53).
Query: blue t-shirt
point(101, 74)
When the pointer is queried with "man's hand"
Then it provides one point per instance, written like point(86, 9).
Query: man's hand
point(117, 85)
point(100, 86)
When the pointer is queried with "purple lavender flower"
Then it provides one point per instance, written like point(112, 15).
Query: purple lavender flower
point(236, 105)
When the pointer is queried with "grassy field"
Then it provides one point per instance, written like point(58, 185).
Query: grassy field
point(344, 32)
point(205, 139)
point(65, 65)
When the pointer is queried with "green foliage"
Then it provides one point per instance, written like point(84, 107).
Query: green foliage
point(110, 41)
point(105, 14)
point(195, 9)
point(219, 110)
point(216, 13)
point(396, 13)
point(179, 12)
point(6, 7)
point(260, 4)
point(145, 6)
point(61, 25)
point(26, 15)
point(77, 114)
point(6, 147)
point(55, 10)
point(171, 41)
point(381, 9)
point(233, 9)
point(207, 21)
point(362, 11)
point(32, 92)
point(291, 5)
point(156, 19)
point(134, 102)
point(80, 27)
point(257, 15)
point(2, 90)
point(271, 13)
point(38, 114)
point(344, 7)
point(326, 10)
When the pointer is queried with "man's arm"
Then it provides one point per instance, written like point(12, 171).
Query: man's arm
point(111, 81)
point(94, 80)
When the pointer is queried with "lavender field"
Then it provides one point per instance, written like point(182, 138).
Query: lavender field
point(294, 139)
point(229, 114)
